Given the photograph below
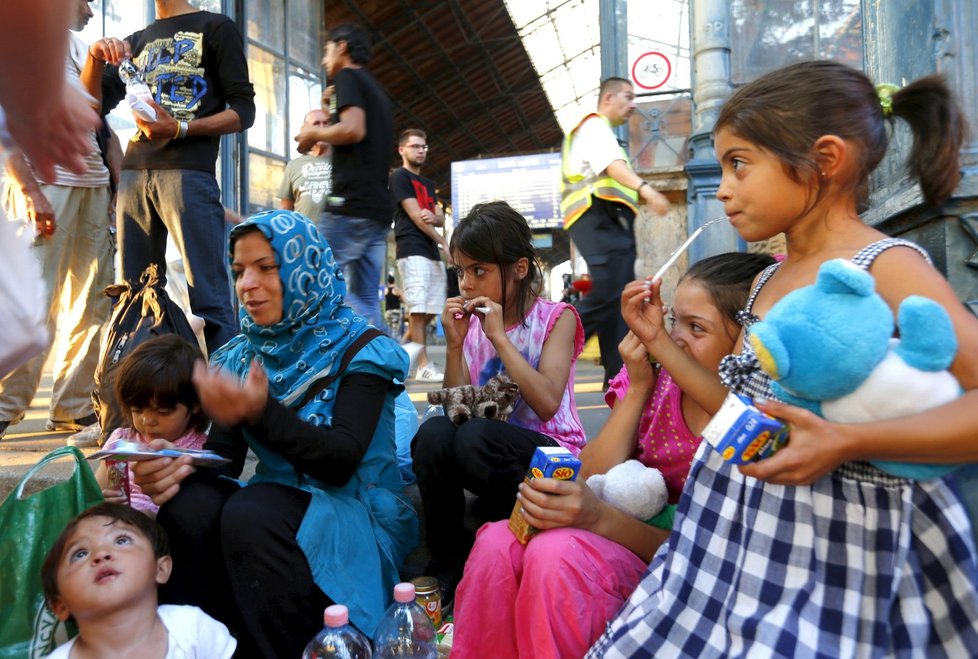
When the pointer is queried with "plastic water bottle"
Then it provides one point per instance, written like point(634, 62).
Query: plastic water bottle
point(137, 91)
point(338, 640)
point(432, 411)
point(406, 630)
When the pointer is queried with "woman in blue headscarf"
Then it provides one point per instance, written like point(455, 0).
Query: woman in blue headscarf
point(309, 387)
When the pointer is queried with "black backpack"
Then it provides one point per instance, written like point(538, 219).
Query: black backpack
point(139, 314)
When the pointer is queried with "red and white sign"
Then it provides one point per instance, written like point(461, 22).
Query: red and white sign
point(651, 70)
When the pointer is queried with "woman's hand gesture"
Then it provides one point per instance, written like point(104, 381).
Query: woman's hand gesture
point(160, 479)
point(227, 401)
point(643, 311)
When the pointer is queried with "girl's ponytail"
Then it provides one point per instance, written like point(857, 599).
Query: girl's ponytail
point(938, 126)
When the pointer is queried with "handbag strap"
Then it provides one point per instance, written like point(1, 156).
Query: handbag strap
point(56, 454)
point(368, 335)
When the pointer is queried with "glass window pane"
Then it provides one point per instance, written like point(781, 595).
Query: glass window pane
point(207, 5)
point(305, 32)
point(769, 34)
point(305, 90)
point(264, 176)
point(266, 23)
point(123, 17)
point(268, 77)
point(658, 132)
point(840, 32)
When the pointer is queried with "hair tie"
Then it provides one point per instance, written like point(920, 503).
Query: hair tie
point(885, 92)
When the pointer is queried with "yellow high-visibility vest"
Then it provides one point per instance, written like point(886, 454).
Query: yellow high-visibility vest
point(576, 188)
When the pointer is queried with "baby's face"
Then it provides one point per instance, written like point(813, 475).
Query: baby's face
point(169, 423)
point(107, 566)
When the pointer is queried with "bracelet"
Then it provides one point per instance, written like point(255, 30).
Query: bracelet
point(182, 128)
point(641, 185)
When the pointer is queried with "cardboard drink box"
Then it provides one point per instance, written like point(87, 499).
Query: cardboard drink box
point(547, 462)
point(742, 433)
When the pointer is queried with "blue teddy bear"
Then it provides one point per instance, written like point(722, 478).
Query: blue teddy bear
point(829, 348)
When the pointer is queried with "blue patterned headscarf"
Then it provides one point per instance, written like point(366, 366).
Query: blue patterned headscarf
point(316, 326)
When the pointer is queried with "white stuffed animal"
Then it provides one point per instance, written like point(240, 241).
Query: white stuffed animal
point(633, 488)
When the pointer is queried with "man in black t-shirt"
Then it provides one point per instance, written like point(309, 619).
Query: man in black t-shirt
point(417, 216)
point(357, 215)
point(194, 64)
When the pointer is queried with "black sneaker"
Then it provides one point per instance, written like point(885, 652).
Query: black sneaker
point(5, 425)
point(72, 426)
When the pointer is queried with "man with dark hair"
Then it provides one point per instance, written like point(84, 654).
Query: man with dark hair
point(194, 64)
point(307, 179)
point(358, 213)
point(417, 216)
point(599, 198)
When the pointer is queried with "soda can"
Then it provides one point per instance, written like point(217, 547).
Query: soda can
point(118, 472)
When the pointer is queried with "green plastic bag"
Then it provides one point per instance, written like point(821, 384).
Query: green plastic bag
point(28, 527)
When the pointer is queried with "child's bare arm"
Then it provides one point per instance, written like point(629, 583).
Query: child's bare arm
point(542, 388)
point(616, 441)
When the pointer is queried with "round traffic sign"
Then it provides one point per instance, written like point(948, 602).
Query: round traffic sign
point(651, 70)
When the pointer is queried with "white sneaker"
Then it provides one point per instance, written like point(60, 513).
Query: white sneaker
point(429, 373)
point(85, 437)
point(413, 350)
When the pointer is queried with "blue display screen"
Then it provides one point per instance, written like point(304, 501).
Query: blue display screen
point(530, 184)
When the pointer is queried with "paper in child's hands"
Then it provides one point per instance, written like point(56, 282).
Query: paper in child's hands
point(125, 450)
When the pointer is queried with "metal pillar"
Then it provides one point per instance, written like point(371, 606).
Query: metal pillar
point(710, 43)
point(613, 26)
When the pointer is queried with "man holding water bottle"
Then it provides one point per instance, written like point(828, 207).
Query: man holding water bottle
point(194, 64)
point(600, 194)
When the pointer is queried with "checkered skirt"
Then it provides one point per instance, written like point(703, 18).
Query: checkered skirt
point(858, 564)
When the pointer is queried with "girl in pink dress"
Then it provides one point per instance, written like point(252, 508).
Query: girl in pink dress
point(155, 387)
point(553, 596)
point(497, 325)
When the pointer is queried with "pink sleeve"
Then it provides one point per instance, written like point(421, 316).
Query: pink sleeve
point(578, 333)
point(617, 387)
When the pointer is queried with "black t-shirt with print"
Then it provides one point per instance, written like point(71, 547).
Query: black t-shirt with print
point(195, 66)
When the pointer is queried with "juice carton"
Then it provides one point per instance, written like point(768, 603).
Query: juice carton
point(742, 433)
point(547, 462)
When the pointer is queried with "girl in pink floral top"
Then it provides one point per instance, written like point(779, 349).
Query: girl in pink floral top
point(154, 385)
point(553, 596)
point(497, 325)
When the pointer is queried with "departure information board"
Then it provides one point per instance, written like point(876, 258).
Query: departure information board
point(530, 184)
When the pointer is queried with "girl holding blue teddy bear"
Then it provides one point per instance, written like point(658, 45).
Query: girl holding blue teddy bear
point(814, 551)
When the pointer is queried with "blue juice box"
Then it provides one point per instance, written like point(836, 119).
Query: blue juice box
point(742, 433)
point(547, 462)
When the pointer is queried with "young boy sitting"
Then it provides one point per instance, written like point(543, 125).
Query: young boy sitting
point(103, 571)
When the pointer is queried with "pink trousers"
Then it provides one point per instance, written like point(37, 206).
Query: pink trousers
point(549, 598)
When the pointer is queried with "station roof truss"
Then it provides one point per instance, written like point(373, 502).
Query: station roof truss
point(458, 70)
